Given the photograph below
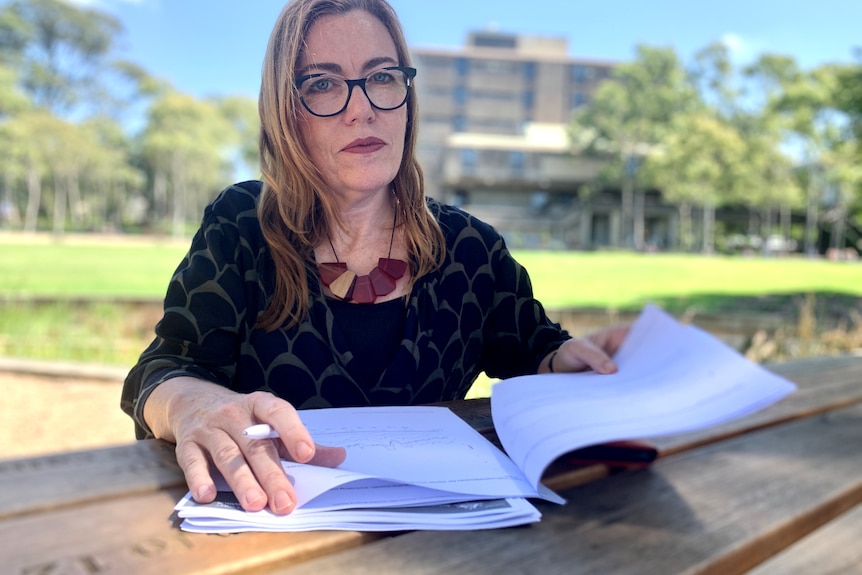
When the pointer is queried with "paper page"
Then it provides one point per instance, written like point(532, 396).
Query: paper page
point(461, 515)
point(672, 378)
point(396, 456)
point(424, 446)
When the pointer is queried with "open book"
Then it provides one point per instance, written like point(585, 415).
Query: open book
point(425, 468)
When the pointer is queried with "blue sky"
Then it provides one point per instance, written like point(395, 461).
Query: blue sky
point(208, 47)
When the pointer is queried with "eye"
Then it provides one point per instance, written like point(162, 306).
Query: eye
point(320, 85)
point(382, 77)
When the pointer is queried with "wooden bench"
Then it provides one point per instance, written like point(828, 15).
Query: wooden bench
point(779, 491)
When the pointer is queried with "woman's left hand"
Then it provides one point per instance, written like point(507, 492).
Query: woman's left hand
point(593, 351)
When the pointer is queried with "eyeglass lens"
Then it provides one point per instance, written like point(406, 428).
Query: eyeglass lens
point(327, 95)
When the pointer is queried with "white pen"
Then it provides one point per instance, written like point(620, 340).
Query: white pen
point(260, 431)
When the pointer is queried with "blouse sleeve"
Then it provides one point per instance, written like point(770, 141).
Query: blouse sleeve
point(519, 334)
point(207, 303)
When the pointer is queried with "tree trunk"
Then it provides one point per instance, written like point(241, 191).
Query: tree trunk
point(708, 228)
point(59, 205)
point(160, 197)
point(838, 227)
point(812, 214)
point(34, 198)
point(178, 179)
point(785, 225)
point(76, 205)
point(625, 235)
point(685, 234)
point(8, 210)
point(765, 227)
point(639, 217)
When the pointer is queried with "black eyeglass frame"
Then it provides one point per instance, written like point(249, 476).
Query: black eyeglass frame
point(408, 72)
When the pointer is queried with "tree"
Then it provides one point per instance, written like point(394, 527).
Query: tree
point(186, 146)
point(698, 165)
point(242, 113)
point(629, 117)
point(59, 49)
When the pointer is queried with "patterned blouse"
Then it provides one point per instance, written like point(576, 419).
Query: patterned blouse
point(476, 313)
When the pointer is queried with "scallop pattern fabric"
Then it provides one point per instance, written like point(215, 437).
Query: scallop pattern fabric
point(476, 313)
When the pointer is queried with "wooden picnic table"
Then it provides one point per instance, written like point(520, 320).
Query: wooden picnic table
point(777, 492)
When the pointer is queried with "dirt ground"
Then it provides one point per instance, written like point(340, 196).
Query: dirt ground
point(48, 414)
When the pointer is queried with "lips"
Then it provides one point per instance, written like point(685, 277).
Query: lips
point(364, 146)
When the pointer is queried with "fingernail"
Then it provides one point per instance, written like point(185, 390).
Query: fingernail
point(203, 492)
point(254, 498)
point(304, 451)
point(609, 367)
point(283, 503)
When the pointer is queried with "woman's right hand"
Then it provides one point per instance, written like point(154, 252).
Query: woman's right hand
point(206, 422)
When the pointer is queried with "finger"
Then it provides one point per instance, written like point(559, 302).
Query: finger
point(195, 465)
point(230, 461)
point(282, 417)
point(324, 455)
point(582, 354)
point(610, 339)
point(327, 456)
point(263, 458)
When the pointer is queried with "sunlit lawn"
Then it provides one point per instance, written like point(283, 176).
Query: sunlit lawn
point(129, 267)
point(36, 267)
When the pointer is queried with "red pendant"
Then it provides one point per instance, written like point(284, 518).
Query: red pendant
point(345, 285)
point(381, 282)
point(363, 290)
point(392, 267)
point(329, 272)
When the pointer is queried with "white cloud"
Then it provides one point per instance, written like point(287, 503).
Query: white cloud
point(740, 49)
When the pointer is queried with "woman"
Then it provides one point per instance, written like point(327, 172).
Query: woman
point(334, 282)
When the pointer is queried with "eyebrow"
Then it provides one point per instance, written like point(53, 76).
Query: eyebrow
point(336, 69)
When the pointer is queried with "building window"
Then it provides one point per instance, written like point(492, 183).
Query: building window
point(462, 66)
point(528, 99)
point(516, 163)
point(494, 95)
point(529, 71)
point(579, 99)
point(460, 95)
point(581, 73)
point(459, 123)
point(468, 162)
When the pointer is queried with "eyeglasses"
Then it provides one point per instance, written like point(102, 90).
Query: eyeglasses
point(326, 95)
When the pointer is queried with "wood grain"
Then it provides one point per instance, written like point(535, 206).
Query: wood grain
point(722, 508)
point(135, 534)
point(834, 549)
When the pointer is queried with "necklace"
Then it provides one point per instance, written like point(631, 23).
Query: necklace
point(346, 285)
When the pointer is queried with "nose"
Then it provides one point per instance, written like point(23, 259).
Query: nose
point(358, 107)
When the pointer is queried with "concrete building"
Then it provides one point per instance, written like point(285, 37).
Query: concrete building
point(493, 138)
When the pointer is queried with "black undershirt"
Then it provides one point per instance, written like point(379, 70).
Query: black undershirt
point(373, 333)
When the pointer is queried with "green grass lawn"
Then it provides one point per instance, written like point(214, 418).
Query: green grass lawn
point(33, 268)
point(119, 267)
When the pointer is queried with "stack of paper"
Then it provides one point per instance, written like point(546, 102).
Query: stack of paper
point(424, 468)
point(406, 468)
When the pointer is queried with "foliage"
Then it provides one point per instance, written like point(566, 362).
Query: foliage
point(66, 160)
point(769, 136)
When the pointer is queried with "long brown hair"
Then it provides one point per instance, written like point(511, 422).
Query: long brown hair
point(294, 211)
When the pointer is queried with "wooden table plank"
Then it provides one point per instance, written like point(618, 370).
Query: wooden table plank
point(723, 508)
point(48, 482)
point(834, 549)
point(136, 535)
point(29, 485)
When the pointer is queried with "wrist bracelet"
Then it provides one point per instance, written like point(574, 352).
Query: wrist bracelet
point(551, 362)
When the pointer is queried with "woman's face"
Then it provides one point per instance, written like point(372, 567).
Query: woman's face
point(359, 150)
